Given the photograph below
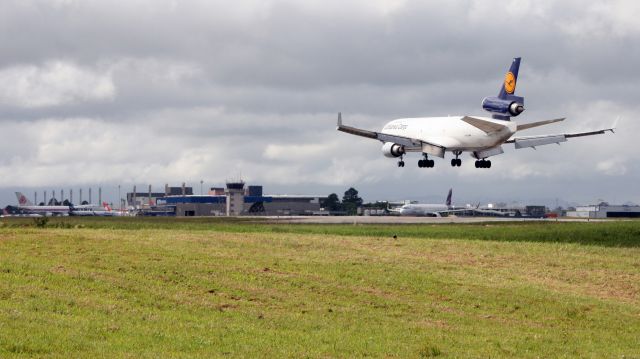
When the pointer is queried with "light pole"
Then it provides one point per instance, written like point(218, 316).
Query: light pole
point(201, 182)
point(119, 198)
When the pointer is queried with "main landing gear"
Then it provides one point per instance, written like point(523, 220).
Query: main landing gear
point(456, 162)
point(401, 162)
point(426, 162)
point(483, 163)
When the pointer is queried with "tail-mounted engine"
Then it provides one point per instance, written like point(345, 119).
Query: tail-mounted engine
point(392, 150)
point(510, 106)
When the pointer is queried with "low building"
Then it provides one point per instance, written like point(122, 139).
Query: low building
point(293, 205)
point(142, 199)
point(535, 211)
point(605, 211)
point(238, 200)
point(190, 206)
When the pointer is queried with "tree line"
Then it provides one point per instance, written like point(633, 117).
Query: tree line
point(348, 205)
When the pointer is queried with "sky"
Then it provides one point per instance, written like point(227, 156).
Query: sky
point(107, 93)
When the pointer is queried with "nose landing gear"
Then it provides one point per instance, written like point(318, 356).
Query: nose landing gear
point(456, 162)
point(401, 162)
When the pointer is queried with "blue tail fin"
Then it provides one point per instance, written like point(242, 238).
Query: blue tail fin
point(448, 203)
point(510, 80)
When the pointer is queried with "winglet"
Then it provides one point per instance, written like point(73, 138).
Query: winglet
point(339, 119)
point(615, 125)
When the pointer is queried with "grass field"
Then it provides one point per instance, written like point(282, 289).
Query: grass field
point(124, 287)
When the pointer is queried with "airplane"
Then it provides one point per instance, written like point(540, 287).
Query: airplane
point(92, 210)
point(27, 206)
point(483, 137)
point(423, 209)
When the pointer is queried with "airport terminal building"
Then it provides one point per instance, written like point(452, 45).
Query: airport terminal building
point(233, 200)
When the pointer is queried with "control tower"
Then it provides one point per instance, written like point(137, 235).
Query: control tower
point(235, 198)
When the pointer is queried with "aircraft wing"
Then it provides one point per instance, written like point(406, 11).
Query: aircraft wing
point(534, 141)
point(410, 143)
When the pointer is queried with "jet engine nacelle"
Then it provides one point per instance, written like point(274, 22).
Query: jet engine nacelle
point(392, 150)
point(511, 107)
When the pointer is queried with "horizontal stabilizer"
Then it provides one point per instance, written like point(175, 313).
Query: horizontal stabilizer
point(486, 126)
point(525, 126)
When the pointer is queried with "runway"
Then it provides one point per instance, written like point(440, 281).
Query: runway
point(410, 220)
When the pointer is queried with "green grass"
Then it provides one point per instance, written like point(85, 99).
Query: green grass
point(213, 288)
point(613, 233)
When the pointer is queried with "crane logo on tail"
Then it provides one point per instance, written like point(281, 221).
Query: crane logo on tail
point(509, 83)
point(22, 200)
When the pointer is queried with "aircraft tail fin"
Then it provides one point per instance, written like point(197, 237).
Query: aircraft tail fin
point(510, 79)
point(106, 206)
point(448, 203)
point(23, 200)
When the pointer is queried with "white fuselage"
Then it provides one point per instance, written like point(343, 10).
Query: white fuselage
point(90, 210)
point(451, 132)
point(422, 209)
point(46, 210)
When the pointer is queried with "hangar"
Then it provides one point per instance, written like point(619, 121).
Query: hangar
point(606, 211)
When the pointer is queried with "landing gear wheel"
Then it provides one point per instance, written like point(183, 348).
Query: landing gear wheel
point(400, 163)
point(425, 162)
point(483, 164)
point(456, 162)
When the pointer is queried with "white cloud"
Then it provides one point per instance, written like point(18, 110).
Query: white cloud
point(52, 84)
point(295, 152)
point(614, 167)
point(155, 71)
point(603, 19)
point(168, 91)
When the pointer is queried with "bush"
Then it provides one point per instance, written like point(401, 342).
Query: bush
point(40, 222)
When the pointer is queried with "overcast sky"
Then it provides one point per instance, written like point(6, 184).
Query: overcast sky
point(101, 93)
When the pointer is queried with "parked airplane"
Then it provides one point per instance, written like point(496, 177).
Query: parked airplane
point(423, 209)
point(482, 136)
point(27, 206)
point(92, 210)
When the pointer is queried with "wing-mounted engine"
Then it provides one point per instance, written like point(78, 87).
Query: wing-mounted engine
point(509, 106)
point(392, 150)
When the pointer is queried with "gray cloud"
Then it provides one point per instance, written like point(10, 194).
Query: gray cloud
point(95, 92)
